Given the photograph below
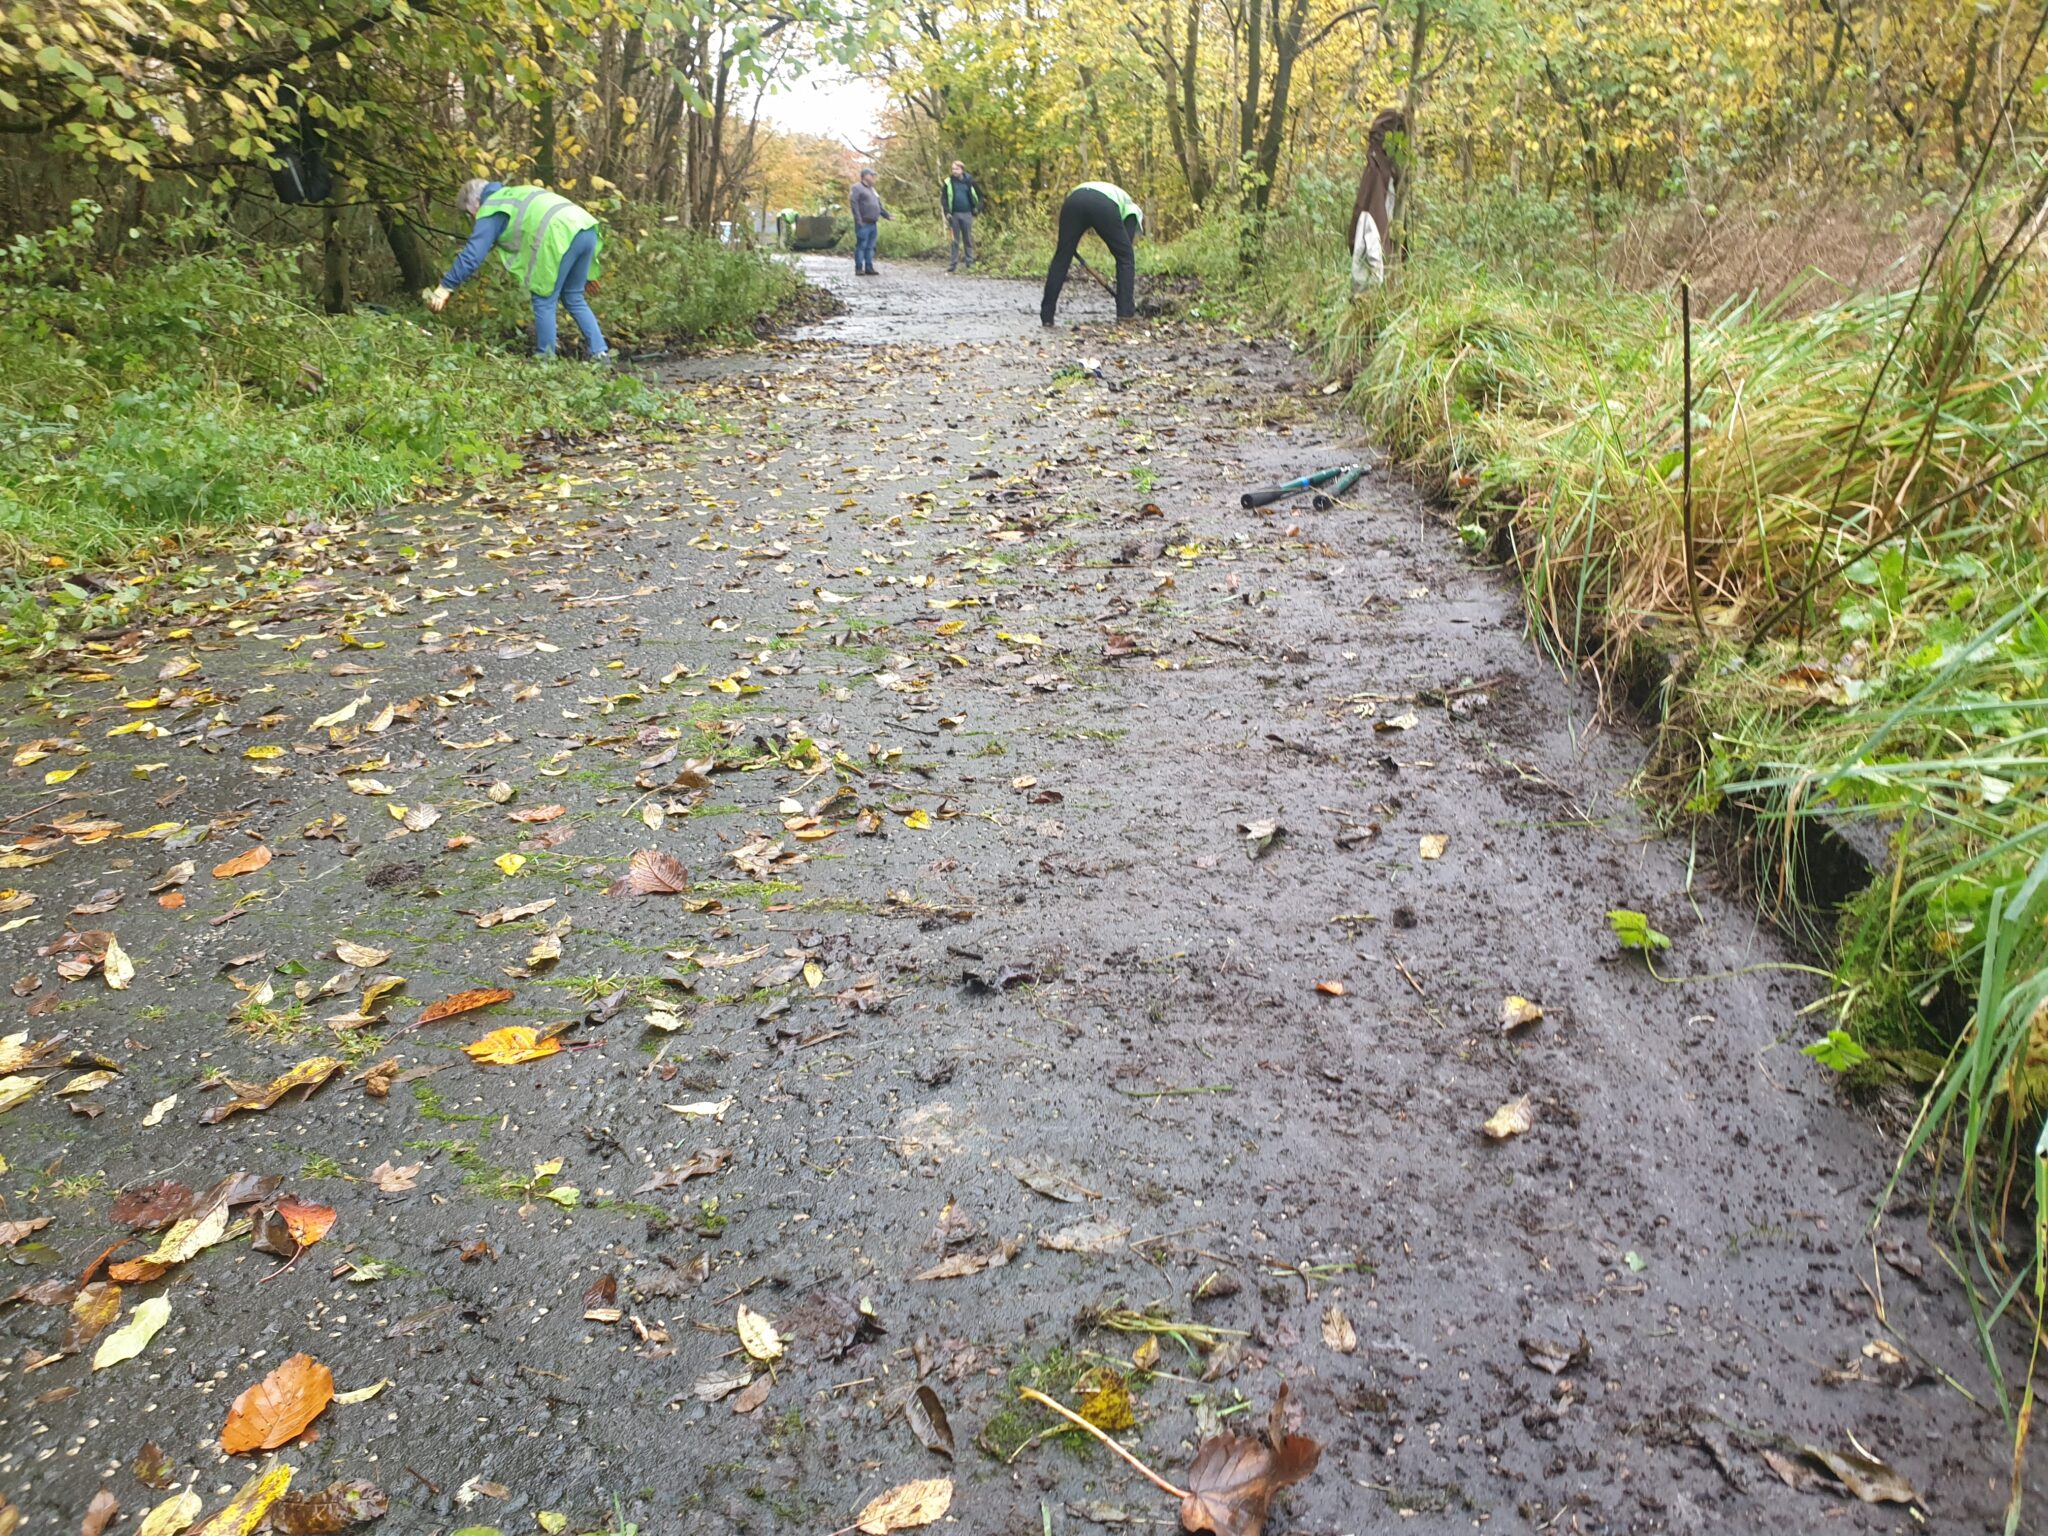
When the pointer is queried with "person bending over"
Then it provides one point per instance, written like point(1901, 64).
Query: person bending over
point(1109, 211)
point(547, 242)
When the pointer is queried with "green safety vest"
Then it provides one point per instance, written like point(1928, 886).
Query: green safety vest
point(537, 233)
point(1117, 195)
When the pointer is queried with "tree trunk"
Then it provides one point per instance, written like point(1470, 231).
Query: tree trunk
point(333, 264)
point(413, 270)
point(544, 116)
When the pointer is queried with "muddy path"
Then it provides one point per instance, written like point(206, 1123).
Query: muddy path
point(939, 652)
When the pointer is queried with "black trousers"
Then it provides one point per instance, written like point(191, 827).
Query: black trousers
point(1087, 209)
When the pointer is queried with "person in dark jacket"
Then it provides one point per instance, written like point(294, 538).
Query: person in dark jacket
point(960, 197)
point(1372, 212)
point(868, 214)
point(1109, 211)
point(546, 242)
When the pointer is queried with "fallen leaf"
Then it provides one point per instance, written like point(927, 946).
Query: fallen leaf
point(87, 1082)
point(1433, 844)
point(1338, 1334)
point(117, 968)
point(758, 1335)
point(362, 956)
point(12, 1232)
point(1330, 988)
point(395, 1181)
point(510, 1046)
point(1518, 1012)
point(652, 873)
point(1085, 1237)
point(1260, 836)
point(363, 1394)
point(100, 1513)
point(171, 1517)
point(148, 1207)
point(336, 1508)
point(465, 1002)
point(252, 1501)
point(514, 914)
point(510, 863)
point(133, 1336)
point(307, 1075)
point(538, 813)
point(1233, 1478)
point(710, 1389)
point(1553, 1357)
point(755, 1394)
point(961, 1265)
point(701, 1164)
point(152, 1467)
point(17, 1090)
point(901, 1509)
point(927, 1417)
point(243, 863)
point(92, 1310)
point(1511, 1119)
point(1872, 1481)
point(277, 1409)
point(158, 1110)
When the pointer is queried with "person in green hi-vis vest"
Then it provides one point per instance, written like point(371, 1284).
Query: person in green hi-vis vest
point(1108, 210)
point(546, 242)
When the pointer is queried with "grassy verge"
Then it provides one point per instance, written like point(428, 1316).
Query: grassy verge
point(158, 399)
point(1887, 442)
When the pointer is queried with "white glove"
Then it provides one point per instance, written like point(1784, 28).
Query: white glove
point(438, 299)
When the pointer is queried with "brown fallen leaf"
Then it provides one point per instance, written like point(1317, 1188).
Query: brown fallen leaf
point(510, 1046)
point(378, 1080)
point(12, 1232)
point(1338, 1334)
point(754, 1395)
point(1233, 1478)
point(277, 1409)
point(361, 956)
point(927, 1419)
point(964, 1264)
point(1870, 1480)
point(652, 873)
point(1554, 1357)
point(100, 1513)
point(465, 1002)
point(152, 1467)
point(395, 1181)
point(513, 914)
point(702, 1164)
point(147, 1207)
point(307, 1075)
point(538, 813)
point(338, 1507)
point(243, 863)
point(906, 1507)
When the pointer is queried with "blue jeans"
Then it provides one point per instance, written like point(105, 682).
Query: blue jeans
point(864, 237)
point(569, 294)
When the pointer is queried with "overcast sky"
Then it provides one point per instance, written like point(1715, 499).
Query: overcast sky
point(832, 105)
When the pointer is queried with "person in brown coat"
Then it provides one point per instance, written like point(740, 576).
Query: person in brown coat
point(1372, 213)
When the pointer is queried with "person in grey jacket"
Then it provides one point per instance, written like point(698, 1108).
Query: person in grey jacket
point(868, 214)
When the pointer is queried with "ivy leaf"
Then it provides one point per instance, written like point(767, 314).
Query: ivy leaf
point(1837, 1050)
point(1634, 931)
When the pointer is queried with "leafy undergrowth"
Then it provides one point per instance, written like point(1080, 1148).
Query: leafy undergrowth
point(148, 404)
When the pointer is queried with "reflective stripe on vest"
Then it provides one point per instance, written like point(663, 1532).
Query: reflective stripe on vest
point(1117, 195)
point(531, 214)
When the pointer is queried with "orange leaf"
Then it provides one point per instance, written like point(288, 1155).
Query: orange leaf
point(306, 1222)
point(511, 1045)
point(171, 900)
point(466, 1002)
point(538, 813)
point(652, 873)
point(243, 863)
point(1330, 988)
point(277, 1409)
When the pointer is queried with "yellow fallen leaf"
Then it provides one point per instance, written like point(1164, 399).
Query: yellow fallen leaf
point(758, 1335)
point(343, 715)
point(172, 1516)
point(510, 1046)
point(263, 754)
point(1511, 1119)
point(133, 1336)
point(510, 863)
point(918, 820)
point(18, 1089)
point(367, 787)
point(362, 1394)
point(814, 974)
point(59, 775)
point(1518, 1011)
point(349, 952)
point(913, 1504)
point(1434, 844)
point(245, 1511)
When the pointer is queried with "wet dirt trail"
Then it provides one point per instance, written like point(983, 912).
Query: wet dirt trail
point(982, 1048)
